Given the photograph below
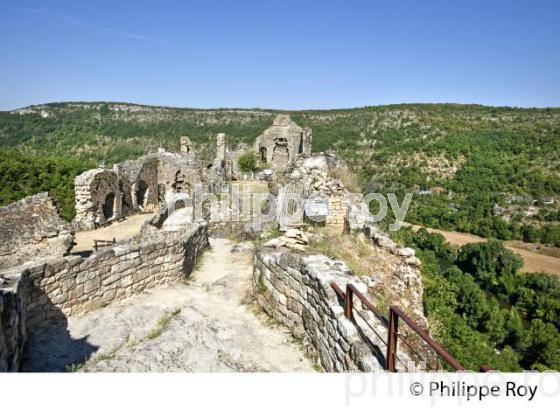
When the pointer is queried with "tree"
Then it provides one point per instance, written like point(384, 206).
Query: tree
point(514, 329)
point(541, 345)
point(247, 162)
point(488, 260)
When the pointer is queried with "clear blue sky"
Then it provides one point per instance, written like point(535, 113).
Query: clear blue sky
point(282, 54)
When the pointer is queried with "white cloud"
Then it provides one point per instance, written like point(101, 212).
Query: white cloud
point(70, 20)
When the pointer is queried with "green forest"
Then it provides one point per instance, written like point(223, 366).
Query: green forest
point(491, 171)
point(23, 175)
point(462, 162)
point(482, 309)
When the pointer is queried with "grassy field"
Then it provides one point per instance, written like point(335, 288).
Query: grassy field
point(536, 258)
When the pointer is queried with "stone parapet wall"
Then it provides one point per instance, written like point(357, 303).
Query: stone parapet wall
point(296, 291)
point(13, 330)
point(72, 285)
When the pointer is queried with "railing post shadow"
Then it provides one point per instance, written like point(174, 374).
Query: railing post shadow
point(392, 332)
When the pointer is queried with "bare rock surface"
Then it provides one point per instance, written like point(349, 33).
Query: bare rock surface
point(32, 229)
point(202, 325)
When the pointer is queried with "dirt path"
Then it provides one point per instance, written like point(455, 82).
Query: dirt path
point(532, 261)
point(201, 325)
point(118, 230)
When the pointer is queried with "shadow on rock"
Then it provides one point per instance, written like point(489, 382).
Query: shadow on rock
point(50, 347)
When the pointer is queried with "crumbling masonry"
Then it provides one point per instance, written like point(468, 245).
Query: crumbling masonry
point(41, 281)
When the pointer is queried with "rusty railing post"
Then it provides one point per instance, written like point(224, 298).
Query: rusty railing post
point(348, 303)
point(392, 332)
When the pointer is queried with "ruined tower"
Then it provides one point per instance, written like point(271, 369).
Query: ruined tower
point(281, 143)
point(187, 149)
point(306, 141)
point(221, 146)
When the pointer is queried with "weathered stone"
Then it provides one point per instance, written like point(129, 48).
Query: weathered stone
point(32, 228)
point(406, 252)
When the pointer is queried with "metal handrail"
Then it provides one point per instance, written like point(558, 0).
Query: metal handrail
point(395, 313)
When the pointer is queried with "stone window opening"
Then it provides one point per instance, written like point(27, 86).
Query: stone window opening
point(179, 183)
point(263, 155)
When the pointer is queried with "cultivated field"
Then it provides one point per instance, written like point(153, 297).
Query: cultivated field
point(536, 258)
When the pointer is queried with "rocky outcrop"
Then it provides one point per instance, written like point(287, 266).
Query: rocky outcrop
point(32, 228)
point(398, 275)
point(314, 173)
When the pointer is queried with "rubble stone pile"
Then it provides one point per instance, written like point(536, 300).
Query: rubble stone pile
point(292, 239)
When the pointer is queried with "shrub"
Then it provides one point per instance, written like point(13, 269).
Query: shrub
point(247, 162)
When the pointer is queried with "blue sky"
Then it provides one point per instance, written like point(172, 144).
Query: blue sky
point(284, 54)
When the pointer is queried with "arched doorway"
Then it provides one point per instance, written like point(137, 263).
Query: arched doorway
point(280, 155)
point(263, 155)
point(141, 194)
point(109, 206)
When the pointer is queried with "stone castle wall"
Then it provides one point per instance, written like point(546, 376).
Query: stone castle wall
point(93, 190)
point(296, 291)
point(13, 329)
point(74, 285)
point(281, 143)
point(104, 195)
point(338, 204)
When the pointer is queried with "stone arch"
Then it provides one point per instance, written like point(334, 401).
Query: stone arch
point(141, 193)
point(109, 206)
point(92, 193)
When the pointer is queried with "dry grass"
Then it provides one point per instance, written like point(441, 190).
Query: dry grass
point(533, 261)
point(162, 324)
point(358, 254)
point(251, 187)
point(350, 180)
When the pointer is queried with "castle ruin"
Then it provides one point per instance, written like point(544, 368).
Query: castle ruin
point(42, 281)
point(280, 144)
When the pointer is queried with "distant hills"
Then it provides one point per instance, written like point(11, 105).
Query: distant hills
point(492, 171)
